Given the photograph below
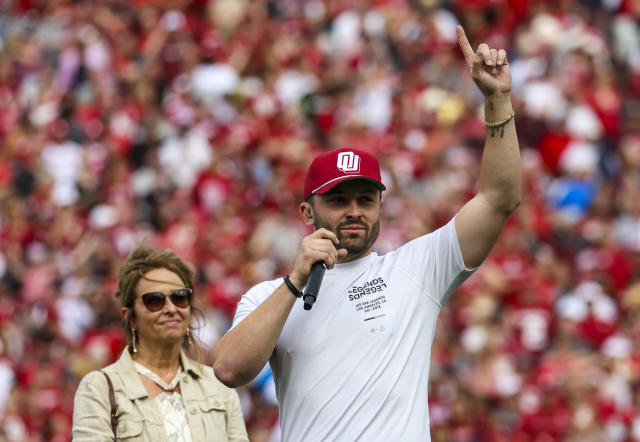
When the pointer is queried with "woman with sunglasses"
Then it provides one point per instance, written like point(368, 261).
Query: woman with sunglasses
point(158, 392)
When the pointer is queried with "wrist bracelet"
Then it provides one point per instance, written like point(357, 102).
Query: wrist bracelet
point(500, 124)
point(297, 293)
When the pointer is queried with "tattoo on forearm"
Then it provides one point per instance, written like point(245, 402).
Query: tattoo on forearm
point(493, 131)
point(491, 109)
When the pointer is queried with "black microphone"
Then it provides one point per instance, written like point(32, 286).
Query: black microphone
point(313, 284)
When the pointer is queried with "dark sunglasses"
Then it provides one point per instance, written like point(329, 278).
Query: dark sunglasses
point(154, 301)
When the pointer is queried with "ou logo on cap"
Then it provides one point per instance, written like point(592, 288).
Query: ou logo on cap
point(348, 162)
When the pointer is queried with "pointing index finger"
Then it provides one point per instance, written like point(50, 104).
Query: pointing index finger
point(467, 51)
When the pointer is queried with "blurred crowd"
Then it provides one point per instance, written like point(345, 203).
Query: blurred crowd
point(189, 124)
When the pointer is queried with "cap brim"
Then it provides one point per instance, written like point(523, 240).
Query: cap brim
point(333, 183)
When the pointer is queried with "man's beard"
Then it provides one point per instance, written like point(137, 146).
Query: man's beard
point(355, 245)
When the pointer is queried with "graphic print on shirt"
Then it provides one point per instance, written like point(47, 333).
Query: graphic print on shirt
point(369, 299)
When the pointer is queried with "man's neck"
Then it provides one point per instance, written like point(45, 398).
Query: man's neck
point(351, 258)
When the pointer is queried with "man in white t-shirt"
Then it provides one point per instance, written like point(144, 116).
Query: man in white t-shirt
point(356, 366)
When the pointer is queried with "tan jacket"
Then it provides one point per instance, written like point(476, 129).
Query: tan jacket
point(213, 410)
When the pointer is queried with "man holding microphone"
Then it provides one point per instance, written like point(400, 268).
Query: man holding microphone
point(356, 367)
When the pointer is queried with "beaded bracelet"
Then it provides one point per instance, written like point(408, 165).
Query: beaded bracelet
point(499, 124)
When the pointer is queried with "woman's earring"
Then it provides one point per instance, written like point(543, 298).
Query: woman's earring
point(134, 341)
point(188, 334)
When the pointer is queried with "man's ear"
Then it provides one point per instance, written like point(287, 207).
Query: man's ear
point(306, 213)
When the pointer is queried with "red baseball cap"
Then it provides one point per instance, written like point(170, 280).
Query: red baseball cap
point(336, 166)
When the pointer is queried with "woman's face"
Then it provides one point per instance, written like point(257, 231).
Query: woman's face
point(167, 325)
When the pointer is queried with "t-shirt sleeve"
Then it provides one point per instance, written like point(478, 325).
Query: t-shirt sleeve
point(253, 298)
point(435, 261)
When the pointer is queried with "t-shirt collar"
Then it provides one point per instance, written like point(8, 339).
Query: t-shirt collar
point(356, 263)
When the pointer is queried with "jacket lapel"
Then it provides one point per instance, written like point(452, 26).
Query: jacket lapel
point(133, 387)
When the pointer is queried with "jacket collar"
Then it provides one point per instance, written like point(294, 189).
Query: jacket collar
point(190, 366)
point(133, 387)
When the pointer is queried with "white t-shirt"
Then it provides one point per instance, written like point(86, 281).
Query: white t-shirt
point(356, 366)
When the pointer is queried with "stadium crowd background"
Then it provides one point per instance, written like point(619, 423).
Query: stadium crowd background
point(190, 124)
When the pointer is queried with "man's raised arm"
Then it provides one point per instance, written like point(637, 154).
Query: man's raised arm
point(480, 221)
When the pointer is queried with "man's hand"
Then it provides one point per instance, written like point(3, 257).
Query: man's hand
point(489, 67)
point(319, 246)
